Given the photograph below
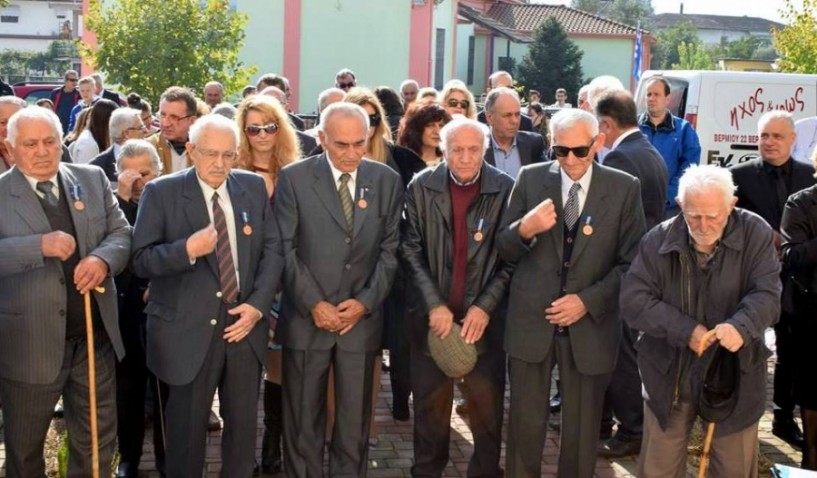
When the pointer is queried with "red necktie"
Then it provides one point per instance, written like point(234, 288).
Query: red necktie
point(224, 254)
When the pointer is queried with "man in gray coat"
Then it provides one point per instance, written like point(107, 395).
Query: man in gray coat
point(572, 228)
point(61, 235)
point(713, 267)
point(339, 217)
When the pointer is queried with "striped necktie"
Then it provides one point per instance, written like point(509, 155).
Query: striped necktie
point(346, 200)
point(572, 206)
point(224, 254)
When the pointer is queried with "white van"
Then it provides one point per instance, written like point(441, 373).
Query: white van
point(724, 106)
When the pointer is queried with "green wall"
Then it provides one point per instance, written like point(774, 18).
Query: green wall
point(263, 44)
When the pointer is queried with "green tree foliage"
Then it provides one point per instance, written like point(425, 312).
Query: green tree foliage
point(797, 42)
point(745, 48)
point(552, 61)
point(665, 51)
point(149, 45)
point(693, 56)
point(595, 7)
point(632, 12)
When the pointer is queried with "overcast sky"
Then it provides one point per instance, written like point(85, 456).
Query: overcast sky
point(754, 8)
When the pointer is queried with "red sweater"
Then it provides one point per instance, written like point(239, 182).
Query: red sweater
point(461, 199)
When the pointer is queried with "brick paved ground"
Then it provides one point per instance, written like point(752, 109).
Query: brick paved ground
point(392, 457)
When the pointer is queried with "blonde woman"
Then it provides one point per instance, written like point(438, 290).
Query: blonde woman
point(458, 100)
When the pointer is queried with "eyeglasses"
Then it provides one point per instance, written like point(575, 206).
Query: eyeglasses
point(173, 118)
point(254, 130)
point(212, 154)
point(346, 86)
point(464, 104)
point(374, 120)
point(72, 80)
point(578, 151)
point(138, 128)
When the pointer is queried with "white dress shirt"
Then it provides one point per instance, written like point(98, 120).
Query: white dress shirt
point(33, 183)
point(226, 206)
point(624, 135)
point(336, 174)
point(178, 161)
point(584, 181)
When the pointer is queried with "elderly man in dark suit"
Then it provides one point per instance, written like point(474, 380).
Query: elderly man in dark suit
point(206, 239)
point(632, 153)
point(572, 227)
point(61, 235)
point(449, 246)
point(764, 184)
point(124, 124)
point(339, 217)
point(510, 148)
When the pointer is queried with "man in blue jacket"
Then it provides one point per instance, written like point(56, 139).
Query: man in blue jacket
point(673, 137)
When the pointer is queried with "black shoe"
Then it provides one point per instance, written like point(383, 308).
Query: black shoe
point(401, 414)
point(788, 431)
point(555, 426)
point(127, 470)
point(59, 412)
point(618, 447)
point(213, 423)
point(556, 403)
point(461, 407)
point(273, 468)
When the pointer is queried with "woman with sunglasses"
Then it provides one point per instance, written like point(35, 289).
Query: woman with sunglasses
point(268, 142)
point(458, 100)
point(420, 131)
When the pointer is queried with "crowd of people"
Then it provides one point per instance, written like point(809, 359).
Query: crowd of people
point(215, 247)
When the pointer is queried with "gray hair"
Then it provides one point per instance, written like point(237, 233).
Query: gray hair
point(276, 93)
point(346, 110)
point(456, 125)
point(345, 72)
point(497, 74)
point(601, 85)
point(212, 122)
point(705, 178)
point(323, 98)
point(138, 147)
point(770, 116)
point(224, 109)
point(12, 100)
point(97, 79)
point(568, 118)
point(122, 119)
point(493, 96)
point(33, 114)
point(406, 83)
point(214, 83)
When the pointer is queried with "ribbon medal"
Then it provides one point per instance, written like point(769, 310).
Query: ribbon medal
point(587, 229)
point(479, 236)
point(245, 218)
point(361, 203)
point(76, 196)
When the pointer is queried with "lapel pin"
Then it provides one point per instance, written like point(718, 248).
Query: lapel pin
point(76, 196)
point(245, 218)
point(361, 203)
point(587, 229)
point(479, 236)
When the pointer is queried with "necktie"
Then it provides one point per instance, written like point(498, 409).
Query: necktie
point(47, 188)
point(572, 206)
point(781, 189)
point(346, 200)
point(224, 254)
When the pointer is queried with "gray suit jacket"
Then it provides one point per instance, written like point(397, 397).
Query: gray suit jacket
point(184, 298)
point(325, 262)
point(32, 288)
point(531, 149)
point(613, 209)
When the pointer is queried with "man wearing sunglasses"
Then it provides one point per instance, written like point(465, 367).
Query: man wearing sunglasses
point(65, 98)
point(345, 79)
point(571, 227)
point(509, 148)
point(177, 113)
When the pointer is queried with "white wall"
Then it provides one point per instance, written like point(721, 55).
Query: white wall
point(35, 19)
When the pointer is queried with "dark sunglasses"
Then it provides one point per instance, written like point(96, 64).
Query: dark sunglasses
point(374, 120)
point(72, 80)
point(344, 86)
point(464, 104)
point(253, 130)
point(578, 151)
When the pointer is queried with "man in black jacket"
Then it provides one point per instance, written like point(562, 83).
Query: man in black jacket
point(764, 184)
point(509, 148)
point(452, 214)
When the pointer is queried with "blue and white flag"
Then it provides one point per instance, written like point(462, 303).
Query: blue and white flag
point(637, 54)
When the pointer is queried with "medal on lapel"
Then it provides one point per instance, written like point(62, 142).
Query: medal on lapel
point(479, 236)
point(587, 229)
point(76, 196)
point(245, 219)
point(361, 203)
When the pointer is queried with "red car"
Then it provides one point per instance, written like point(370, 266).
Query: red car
point(31, 92)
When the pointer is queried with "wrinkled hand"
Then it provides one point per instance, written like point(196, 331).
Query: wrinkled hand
point(441, 321)
point(474, 324)
point(202, 242)
point(325, 316)
point(89, 273)
point(565, 311)
point(248, 316)
point(697, 336)
point(350, 311)
point(125, 182)
point(58, 244)
point(729, 337)
point(539, 219)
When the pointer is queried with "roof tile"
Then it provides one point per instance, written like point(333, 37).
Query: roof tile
point(525, 18)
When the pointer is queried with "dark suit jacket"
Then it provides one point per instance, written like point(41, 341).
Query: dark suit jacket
point(297, 122)
point(308, 143)
point(113, 96)
point(756, 188)
point(32, 288)
point(525, 124)
point(107, 161)
point(531, 149)
point(636, 156)
point(597, 263)
point(324, 262)
point(184, 298)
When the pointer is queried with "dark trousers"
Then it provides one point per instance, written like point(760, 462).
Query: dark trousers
point(400, 370)
point(28, 409)
point(783, 396)
point(233, 369)
point(623, 397)
point(433, 395)
point(132, 381)
point(582, 400)
point(305, 376)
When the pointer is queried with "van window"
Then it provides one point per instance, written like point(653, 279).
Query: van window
point(678, 96)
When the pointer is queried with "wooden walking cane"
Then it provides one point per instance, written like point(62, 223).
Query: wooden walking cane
point(710, 428)
point(89, 329)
